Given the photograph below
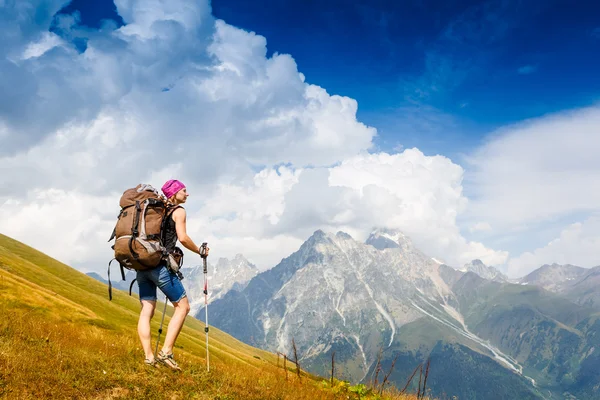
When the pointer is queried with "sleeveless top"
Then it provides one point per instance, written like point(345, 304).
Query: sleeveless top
point(170, 232)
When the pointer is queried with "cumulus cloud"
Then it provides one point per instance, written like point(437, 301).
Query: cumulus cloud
point(173, 92)
point(248, 208)
point(71, 226)
point(37, 96)
point(267, 157)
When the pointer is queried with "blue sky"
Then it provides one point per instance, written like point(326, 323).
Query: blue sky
point(436, 75)
point(468, 66)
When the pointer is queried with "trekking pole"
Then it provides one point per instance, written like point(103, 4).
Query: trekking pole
point(161, 325)
point(204, 255)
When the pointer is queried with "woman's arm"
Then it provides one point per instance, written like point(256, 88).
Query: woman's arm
point(179, 216)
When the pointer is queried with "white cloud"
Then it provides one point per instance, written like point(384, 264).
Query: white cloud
point(535, 171)
point(150, 19)
point(267, 157)
point(577, 244)
point(89, 158)
point(71, 226)
point(47, 42)
point(242, 208)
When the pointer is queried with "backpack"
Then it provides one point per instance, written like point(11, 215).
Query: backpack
point(139, 231)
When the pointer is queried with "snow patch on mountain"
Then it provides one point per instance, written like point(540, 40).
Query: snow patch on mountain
point(393, 236)
point(387, 239)
point(364, 357)
point(380, 309)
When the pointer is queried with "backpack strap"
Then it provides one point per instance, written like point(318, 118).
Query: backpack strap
point(114, 233)
point(109, 283)
point(135, 232)
point(131, 286)
point(170, 210)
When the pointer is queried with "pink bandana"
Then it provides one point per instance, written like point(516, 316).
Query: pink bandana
point(171, 187)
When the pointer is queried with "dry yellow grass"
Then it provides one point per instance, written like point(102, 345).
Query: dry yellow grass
point(60, 337)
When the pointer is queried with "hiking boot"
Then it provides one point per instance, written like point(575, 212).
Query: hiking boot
point(167, 359)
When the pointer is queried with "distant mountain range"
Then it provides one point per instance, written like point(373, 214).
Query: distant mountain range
point(116, 281)
point(577, 284)
point(224, 276)
point(536, 336)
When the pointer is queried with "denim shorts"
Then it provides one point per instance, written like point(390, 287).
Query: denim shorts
point(164, 279)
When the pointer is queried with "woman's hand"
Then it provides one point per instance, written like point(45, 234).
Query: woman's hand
point(204, 250)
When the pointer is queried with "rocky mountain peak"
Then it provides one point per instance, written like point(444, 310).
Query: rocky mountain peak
point(352, 285)
point(553, 276)
point(240, 257)
point(318, 236)
point(237, 262)
point(487, 272)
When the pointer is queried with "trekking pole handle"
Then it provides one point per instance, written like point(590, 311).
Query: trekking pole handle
point(204, 250)
point(204, 255)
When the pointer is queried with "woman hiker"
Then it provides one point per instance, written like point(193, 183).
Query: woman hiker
point(166, 280)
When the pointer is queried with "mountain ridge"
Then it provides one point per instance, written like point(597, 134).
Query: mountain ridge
point(338, 293)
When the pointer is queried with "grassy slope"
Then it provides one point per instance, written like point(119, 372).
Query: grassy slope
point(60, 337)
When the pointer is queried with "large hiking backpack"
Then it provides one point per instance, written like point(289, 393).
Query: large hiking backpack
point(139, 231)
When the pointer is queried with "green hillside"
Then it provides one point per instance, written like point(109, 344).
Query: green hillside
point(60, 337)
point(459, 367)
point(553, 338)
